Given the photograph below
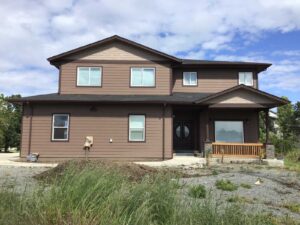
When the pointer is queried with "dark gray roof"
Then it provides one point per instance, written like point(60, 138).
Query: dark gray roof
point(175, 98)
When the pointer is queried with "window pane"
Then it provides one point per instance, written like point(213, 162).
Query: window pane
point(83, 76)
point(186, 78)
point(148, 77)
point(95, 77)
point(60, 133)
point(136, 77)
point(193, 78)
point(60, 120)
point(229, 131)
point(137, 121)
point(241, 78)
point(136, 135)
point(248, 79)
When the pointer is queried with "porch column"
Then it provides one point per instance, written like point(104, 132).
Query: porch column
point(267, 125)
point(207, 139)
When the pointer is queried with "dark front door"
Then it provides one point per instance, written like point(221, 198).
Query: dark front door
point(183, 135)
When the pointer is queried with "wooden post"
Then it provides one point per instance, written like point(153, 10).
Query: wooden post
point(267, 125)
point(207, 139)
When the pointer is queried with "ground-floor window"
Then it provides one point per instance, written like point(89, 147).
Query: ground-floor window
point(60, 127)
point(136, 127)
point(229, 131)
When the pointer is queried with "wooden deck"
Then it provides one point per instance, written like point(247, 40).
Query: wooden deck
point(242, 150)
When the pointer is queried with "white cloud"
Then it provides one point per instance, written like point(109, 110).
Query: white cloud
point(32, 30)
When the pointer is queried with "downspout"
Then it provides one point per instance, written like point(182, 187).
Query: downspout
point(163, 132)
point(30, 127)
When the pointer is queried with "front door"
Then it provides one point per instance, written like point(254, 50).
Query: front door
point(183, 135)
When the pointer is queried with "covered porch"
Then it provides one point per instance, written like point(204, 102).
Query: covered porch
point(225, 124)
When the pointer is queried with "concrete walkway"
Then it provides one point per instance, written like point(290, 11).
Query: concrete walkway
point(11, 159)
point(177, 161)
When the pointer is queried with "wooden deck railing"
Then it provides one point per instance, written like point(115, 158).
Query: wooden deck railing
point(245, 150)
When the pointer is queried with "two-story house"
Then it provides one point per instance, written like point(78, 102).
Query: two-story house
point(134, 102)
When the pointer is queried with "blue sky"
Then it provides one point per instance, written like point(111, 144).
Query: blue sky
point(233, 30)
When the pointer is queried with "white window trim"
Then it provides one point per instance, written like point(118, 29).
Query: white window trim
point(252, 80)
point(65, 127)
point(136, 129)
point(243, 139)
point(89, 85)
point(142, 68)
point(188, 72)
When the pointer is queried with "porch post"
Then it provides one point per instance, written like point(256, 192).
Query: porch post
point(207, 139)
point(267, 125)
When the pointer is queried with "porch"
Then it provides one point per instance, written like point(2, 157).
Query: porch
point(222, 133)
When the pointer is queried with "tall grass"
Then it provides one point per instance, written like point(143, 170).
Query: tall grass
point(101, 196)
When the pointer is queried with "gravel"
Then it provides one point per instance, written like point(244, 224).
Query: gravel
point(278, 188)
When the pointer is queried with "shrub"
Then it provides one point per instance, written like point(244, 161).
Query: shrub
point(198, 191)
point(226, 185)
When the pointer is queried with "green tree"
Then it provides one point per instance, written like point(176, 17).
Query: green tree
point(10, 123)
point(286, 122)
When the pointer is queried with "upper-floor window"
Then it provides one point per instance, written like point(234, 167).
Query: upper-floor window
point(136, 127)
point(60, 127)
point(190, 79)
point(246, 78)
point(89, 76)
point(142, 77)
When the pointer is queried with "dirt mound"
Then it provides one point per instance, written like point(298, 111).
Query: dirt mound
point(133, 171)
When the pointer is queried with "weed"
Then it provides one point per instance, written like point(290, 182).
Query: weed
point(226, 185)
point(247, 186)
point(239, 199)
point(198, 191)
point(293, 207)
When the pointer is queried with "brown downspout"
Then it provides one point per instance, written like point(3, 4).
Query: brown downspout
point(163, 132)
point(30, 127)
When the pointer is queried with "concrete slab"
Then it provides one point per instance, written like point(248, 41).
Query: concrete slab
point(177, 161)
point(274, 162)
point(11, 159)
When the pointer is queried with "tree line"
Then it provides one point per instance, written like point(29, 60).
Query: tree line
point(10, 123)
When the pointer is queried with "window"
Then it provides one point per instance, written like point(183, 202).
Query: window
point(89, 76)
point(190, 78)
point(229, 131)
point(246, 78)
point(60, 127)
point(142, 77)
point(136, 128)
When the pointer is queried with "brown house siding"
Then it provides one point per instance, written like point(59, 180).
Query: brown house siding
point(209, 81)
point(109, 121)
point(115, 79)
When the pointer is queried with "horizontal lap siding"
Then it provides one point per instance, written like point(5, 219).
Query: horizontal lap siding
point(209, 81)
point(115, 79)
point(109, 121)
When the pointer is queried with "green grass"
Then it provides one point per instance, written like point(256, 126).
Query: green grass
point(226, 185)
point(247, 186)
point(111, 195)
point(293, 207)
point(239, 199)
point(198, 191)
point(292, 160)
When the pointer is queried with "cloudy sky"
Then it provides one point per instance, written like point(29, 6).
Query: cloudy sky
point(254, 30)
